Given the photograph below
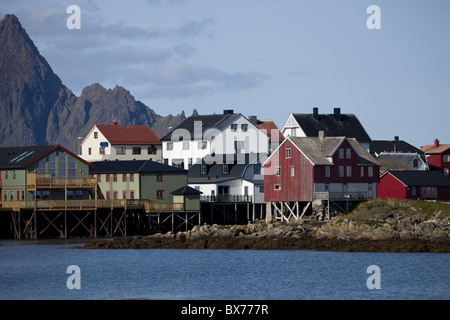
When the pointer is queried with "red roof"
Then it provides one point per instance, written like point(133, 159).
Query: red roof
point(134, 135)
point(431, 149)
point(269, 127)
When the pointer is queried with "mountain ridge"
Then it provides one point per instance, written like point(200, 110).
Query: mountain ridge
point(36, 108)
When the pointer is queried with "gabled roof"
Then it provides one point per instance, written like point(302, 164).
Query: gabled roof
point(414, 178)
point(208, 122)
point(270, 128)
point(318, 150)
point(431, 149)
point(133, 166)
point(22, 157)
point(129, 135)
point(379, 146)
point(342, 125)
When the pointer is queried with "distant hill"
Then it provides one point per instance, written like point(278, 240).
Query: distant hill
point(37, 109)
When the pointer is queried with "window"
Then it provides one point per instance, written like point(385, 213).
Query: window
point(203, 168)
point(124, 194)
point(89, 151)
point(124, 177)
point(257, 168)
point(349, 153)
point(341, 153)
point(370, 171)
point(62, 165)
point(131, 177)
point(278, 171)
point(115, 195)
point(428, 192)
point(349, 171)
point(160, 178)
point(107, 177)
point(72, 168)
point(120, 151)
point(288, 153)
point(234, 127)
point(277, 187)
point(52, 164)
point(114, 177)
point(362, 172)
point(99, 177)
point(132, 195)
point(160, 194)
point(416, 163)
point(185, 145)
point(136, 150)
point(446, 171)
point(202, 145)
point(225, 168)
point(327, 171)
point(292, 171)
point(169, 146)
point(239, 145)
point(96, 135)
point(261, 189)
point(152, 150)
point(341, 171)
point(14, 174)
point(108, 195)
point(446, 158)
point(244, 127)
point(42, 166)
point(101, 150)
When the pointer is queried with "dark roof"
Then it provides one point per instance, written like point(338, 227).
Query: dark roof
point(421, 178)
point(214, 163)
point(344, 125)
point(214, 121)
point(21, 157)
point(138, 166)
point(186, 190)
point(379, 146)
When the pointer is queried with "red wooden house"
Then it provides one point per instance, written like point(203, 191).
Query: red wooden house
point(428, 185)
point(303, 169)
point(438, 157)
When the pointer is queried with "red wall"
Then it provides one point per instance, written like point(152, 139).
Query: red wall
point(390, 187)
point(319, 171)
point(436, 161)
point(296, 188)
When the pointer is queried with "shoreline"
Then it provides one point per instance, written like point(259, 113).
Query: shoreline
point(271, 243)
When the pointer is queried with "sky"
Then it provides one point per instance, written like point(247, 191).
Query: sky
point(268, 58)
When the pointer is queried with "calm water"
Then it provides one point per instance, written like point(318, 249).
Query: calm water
point(37, 270)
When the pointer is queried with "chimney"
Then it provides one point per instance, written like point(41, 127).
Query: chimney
point(253, 120)
point(396, 138)
point(322, 135)
point(316, 113)
point(228, 111)
point(436, 143)
point(115, 123)
point(337, 114)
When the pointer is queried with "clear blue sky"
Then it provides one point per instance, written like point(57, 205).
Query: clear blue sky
point(268, 58)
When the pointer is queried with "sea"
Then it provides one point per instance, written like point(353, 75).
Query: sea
point(56, 270)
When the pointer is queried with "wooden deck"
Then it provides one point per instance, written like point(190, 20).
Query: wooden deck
point(84, 205)
point(37, 181)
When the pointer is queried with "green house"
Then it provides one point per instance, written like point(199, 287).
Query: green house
point(43, 173)
point(141, 180)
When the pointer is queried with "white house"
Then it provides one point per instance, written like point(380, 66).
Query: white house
point(201, 135)
point(116, 142)
point(229, 178)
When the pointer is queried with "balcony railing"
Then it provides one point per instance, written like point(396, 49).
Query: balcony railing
point(228, 198)
point(91, 204)
point(44, 180)
point(342, 196)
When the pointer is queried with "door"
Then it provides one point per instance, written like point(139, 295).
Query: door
point(370, 192)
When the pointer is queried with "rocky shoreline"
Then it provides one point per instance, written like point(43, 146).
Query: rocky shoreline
point(375, 226)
